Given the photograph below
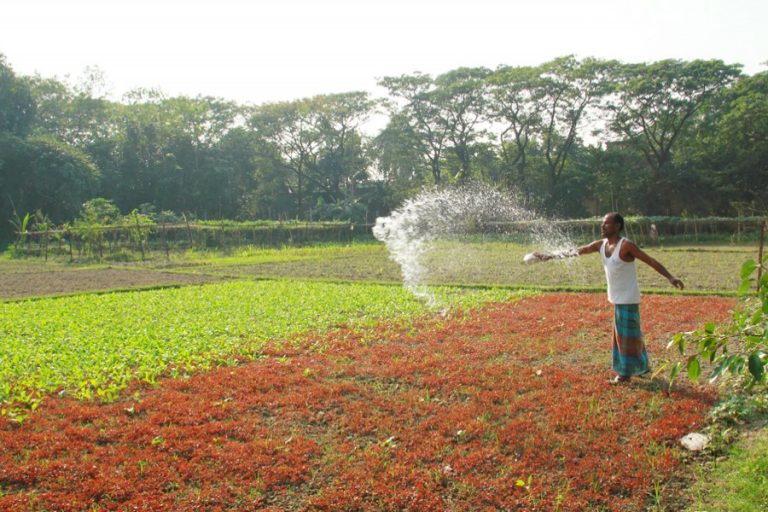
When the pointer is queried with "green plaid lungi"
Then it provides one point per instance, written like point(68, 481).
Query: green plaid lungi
point(629, 355)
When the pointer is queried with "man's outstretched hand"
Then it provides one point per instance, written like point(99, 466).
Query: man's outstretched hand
point(676, 283)
point(535, 257)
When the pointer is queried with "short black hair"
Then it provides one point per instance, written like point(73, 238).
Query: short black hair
point(618, 218)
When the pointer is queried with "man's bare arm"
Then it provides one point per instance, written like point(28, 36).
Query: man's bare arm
point(589, 248)
point(545, 256)
point(638, 253)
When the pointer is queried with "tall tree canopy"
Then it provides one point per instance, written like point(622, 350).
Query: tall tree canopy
point(574, 136)
point(653, 105)
point(17, 107)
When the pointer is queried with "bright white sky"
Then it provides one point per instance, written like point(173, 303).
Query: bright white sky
point(261, 51)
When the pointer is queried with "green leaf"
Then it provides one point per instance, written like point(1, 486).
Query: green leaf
point(673, 373)
point(709, 327)
point(747, 268)
point(746, 284)
point(718, 370)
point(756, 366)
point(737, 365)
point(694, 368)
point(675, 340)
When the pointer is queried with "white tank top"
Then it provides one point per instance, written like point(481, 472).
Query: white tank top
point(621, 276)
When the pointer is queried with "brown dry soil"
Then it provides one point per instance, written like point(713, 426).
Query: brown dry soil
point(19, 285)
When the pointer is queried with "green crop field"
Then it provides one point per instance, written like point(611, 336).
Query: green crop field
point(93, 345)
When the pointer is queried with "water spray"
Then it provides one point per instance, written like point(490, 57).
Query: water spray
point(435, 214)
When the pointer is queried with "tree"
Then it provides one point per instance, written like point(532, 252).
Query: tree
point(272, 196)
point(72, 115)
point(514, 105)
point(292, 132)
point(653, 105)
point(422, 110)
point(41, 173)
point(342, 163)
point(317, 142)
point(62, 178)
point(15, 154)
point(566, 89)
point(17, 106)
point(51, 97)
point(460, 98)
point(78, 118)
point(234, 164)
point(194, 127)
point(395, 151)
point(617, 183)
point(739, 149)
point(37, 172)
point(143, 171)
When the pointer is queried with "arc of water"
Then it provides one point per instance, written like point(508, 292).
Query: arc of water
point(437, 213)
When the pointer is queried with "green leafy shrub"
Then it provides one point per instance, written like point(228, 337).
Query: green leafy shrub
point(739, 347)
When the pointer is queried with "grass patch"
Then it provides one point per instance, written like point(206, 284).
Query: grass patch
point(493, 263)
point(487, 263)
point(739, 483)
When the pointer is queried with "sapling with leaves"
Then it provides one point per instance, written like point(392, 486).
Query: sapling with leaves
point(738, 347)
point(139, 226)
point(42, 224)
point(20, 227)
point(89, 226)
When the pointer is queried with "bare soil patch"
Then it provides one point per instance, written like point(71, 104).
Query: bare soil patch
point(18, 285)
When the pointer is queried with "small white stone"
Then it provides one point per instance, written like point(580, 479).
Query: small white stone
point(539, 372)
point(694, 441)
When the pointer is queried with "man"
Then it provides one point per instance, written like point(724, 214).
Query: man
point(618, 256)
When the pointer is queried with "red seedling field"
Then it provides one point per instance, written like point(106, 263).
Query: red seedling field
point(505, 408)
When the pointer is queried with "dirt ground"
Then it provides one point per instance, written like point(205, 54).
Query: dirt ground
point(18, 285)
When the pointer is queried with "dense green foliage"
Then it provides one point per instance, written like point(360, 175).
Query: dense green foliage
point(574, 137)
point(93, 345)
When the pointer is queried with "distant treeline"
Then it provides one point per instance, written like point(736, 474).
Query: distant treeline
point(573, 138)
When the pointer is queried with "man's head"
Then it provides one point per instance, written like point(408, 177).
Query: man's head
point(613, 224)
